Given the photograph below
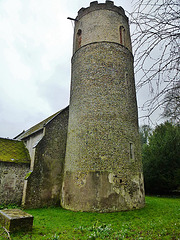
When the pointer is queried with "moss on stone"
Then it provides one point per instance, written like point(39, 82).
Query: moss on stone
point(27, 175)
point(16, 220)
point(13, 151)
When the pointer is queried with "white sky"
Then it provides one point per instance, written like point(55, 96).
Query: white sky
point(35, 55)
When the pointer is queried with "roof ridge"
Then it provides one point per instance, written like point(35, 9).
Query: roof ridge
point(11, 139)
point(37, 127)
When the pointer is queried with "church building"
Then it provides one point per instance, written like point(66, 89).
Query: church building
point(87, 156)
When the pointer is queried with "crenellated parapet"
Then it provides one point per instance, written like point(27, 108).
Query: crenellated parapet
point(94, 6)
point(101, 22)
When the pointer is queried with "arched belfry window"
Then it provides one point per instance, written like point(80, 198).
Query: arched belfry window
point(122, 35)
point(78, 38)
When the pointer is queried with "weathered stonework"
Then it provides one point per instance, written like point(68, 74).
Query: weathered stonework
point(95, 165)
point(43, 185)
point(14, 165)
point(11, 182)
point(16, 220)
point(103, 169)
point(101, 22)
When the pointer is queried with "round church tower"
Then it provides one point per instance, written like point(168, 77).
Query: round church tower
point(103, 169)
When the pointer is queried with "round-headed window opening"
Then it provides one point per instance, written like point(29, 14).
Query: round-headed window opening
point(78, 38)
point(79, 32)
point(122, 35)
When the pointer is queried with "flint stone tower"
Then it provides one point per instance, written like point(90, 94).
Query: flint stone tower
point(103, 169)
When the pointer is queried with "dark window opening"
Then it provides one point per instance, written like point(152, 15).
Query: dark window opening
point(126, 78)
point(122, 35)
point(79, 38)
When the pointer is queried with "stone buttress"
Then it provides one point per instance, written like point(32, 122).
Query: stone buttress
point(103, 168)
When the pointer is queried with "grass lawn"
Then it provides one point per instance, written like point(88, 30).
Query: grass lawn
point(160, 219)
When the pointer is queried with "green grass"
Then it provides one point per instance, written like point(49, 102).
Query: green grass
point(160, 219)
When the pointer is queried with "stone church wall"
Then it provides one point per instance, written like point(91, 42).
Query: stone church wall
point(45, 182)
point(11, 182)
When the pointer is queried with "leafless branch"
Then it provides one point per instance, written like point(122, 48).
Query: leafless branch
point(156, 44)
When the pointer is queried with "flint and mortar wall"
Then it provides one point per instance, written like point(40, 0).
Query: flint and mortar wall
point(44, 183)
point(103, 111)
point(12, 177)
point(103, 169)
point(100, 174)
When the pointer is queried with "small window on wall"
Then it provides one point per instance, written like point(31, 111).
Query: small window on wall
point(78, 39)
point(122, 35)
point(126, 78)
point(126, 82)
point(131, 150)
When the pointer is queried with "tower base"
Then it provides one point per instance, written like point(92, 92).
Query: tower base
point(102, 191)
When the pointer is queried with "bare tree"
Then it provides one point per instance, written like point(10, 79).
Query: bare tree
point(156, 44)
point(172, 104)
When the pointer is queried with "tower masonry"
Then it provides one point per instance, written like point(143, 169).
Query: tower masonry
point(103, 168)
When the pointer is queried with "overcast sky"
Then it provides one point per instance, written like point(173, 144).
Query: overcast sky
point(35, 55)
